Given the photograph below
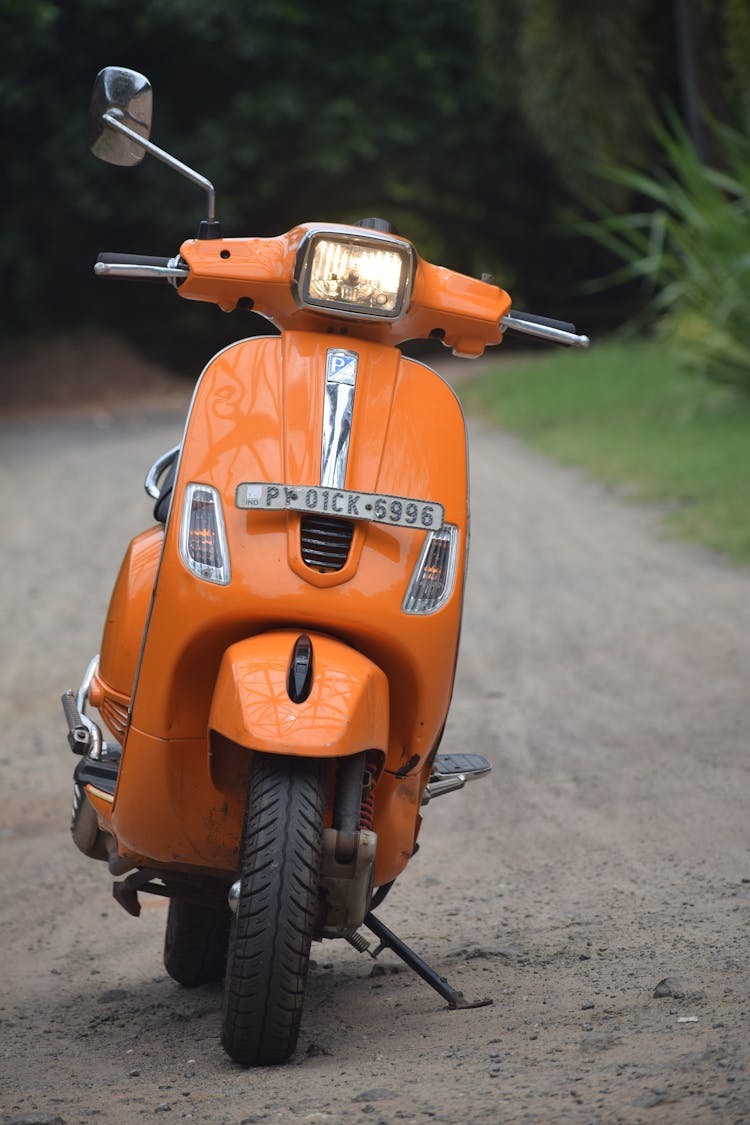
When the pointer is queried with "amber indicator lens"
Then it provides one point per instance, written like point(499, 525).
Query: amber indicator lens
point(434, 575)
point(203, 546)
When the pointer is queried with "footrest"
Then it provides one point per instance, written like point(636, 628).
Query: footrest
point(102, 775)
point(451, 772)
point(470, 765)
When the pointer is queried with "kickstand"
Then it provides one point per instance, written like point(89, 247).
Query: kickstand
point(389, 940)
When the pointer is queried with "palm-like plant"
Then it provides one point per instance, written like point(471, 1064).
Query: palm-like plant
point(691, 245)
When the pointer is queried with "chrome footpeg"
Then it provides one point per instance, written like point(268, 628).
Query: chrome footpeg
point(79, 735)
point(451, 772)
point(470, 765)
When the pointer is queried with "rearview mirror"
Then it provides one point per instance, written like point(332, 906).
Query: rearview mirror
point(126, 95)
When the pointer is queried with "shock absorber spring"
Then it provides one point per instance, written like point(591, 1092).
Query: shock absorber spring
point(367, 808)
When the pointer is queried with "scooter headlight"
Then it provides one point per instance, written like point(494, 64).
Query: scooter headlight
point(355, 275)
point(203, 540)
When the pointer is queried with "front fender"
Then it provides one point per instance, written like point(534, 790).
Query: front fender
point(345, 712)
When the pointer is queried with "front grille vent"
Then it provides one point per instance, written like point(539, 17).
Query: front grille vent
point(325, 542)
point(115, 713)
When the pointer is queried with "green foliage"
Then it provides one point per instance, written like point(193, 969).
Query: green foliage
point(592, 68)
point(585, 74)
point(589, 73)
point(469, 123)
point(733, 17)
point(294, 111)
point(692, 249)
point(633, 416)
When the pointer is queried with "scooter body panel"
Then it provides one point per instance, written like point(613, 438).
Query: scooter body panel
point(112, 686)
point(345, 712)
point(257, 415)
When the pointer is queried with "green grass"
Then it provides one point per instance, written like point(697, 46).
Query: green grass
point(629, 414)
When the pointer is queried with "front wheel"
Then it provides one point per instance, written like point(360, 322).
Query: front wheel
point(277, 910)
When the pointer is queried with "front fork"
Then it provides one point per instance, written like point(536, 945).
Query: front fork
point(349, 849)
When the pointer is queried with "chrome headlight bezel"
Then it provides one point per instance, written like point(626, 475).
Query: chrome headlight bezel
point(367, 239)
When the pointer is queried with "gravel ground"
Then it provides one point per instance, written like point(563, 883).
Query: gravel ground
point(605, 672)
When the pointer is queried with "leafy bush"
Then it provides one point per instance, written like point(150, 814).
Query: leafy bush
point(293, 111)
point(692, 246)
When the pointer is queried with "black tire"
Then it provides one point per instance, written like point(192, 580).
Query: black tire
point(84, 826)
point(195, 944)
point(269, 943)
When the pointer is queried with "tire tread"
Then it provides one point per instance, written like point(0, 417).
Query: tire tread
point(277, 910)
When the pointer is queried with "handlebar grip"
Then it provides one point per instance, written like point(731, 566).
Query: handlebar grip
point(132, 260)
point(532, 318)
point(141, 267)
point(556, 331)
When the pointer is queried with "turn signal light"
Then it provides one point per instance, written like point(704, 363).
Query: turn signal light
point(434, 575)
point(203, 541)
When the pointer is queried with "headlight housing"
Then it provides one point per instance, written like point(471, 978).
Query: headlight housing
point(362, 275)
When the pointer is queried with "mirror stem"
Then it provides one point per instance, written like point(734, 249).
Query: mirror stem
point(111, 119)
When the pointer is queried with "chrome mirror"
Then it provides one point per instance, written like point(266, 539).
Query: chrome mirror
point(119, 128)
point(123, 96)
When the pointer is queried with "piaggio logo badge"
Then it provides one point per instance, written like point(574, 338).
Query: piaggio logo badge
point(341, 366)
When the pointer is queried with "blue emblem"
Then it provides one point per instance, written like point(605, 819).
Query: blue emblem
point(341, 366)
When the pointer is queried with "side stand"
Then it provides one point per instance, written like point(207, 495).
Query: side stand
point(388, 940)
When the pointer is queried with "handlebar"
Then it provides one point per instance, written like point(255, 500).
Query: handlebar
point(557, 331)
point(141, 267)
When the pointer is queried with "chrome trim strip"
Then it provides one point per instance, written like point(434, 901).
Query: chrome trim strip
point(341, 380)
point(160, 465)
point(82, 694)
point(82, 698)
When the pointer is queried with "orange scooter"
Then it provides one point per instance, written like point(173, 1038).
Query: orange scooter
point(279, 651)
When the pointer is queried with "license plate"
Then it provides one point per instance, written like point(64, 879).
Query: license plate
point(398, 511)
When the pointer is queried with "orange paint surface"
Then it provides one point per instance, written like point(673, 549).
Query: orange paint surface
point(215, 658)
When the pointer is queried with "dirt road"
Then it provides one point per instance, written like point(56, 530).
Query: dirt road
point(604, 671)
